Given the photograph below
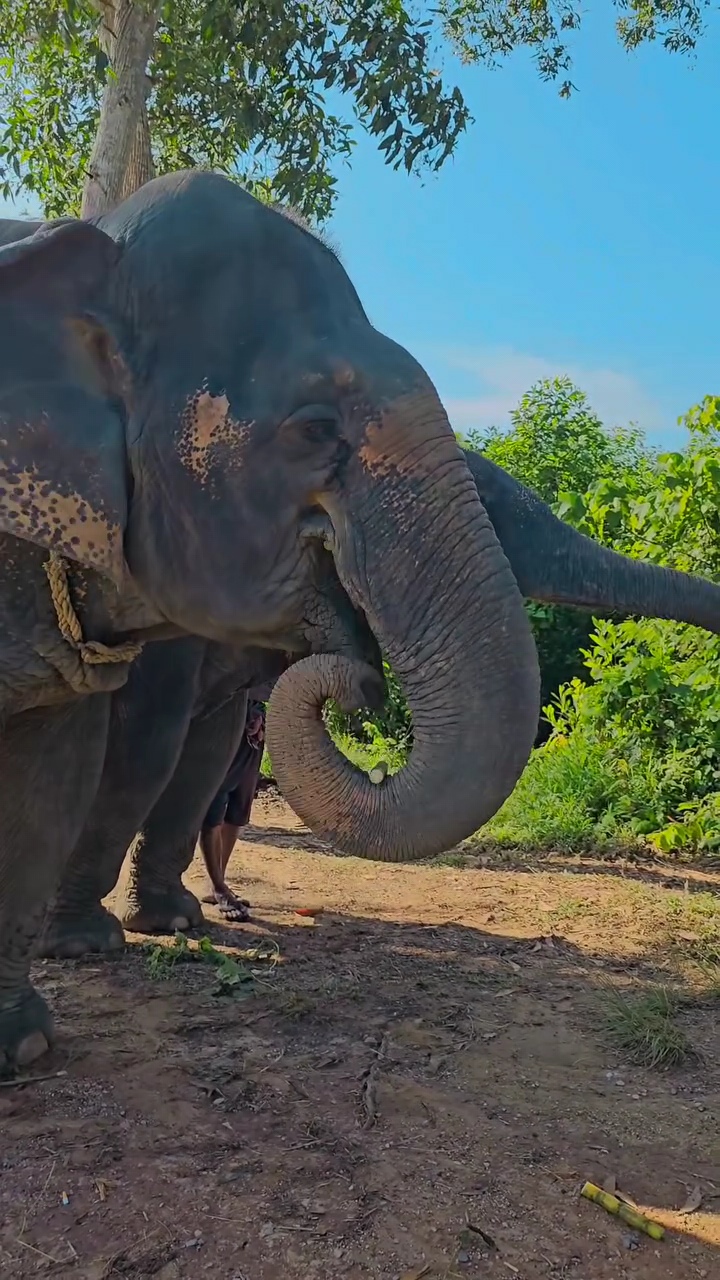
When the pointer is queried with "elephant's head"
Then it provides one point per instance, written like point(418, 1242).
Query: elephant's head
point(219, 404)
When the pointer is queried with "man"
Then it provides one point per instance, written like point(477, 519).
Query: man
point(230, 810)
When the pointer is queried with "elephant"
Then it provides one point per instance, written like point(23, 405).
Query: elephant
point(552, 563)
point(174, 729)
point(14, 229)
point(194, 407)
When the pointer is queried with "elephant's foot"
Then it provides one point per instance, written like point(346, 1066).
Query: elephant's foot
point(164, 910)
point(68, 936)
point(230, 907)
point(26, 1031)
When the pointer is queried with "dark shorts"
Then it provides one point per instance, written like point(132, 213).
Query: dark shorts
point(233, 802)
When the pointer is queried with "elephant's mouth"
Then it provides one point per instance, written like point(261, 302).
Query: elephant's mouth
point(317, 527)
point(334, 620)
point(329, 528)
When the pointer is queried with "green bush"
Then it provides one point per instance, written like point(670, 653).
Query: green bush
point(635, 753)
point(557, 444)
point(593, 784)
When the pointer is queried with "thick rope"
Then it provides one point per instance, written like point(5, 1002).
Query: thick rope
point(91, 651)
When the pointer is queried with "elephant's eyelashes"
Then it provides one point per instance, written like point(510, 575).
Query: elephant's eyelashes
point(320, 431)
point(315, 423)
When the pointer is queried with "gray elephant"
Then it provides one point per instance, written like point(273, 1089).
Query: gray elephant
point(551, 562)
point(192, 403)
point(174, 729)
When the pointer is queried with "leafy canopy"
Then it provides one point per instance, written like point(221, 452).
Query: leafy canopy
point(557, 444)
point(271, 92)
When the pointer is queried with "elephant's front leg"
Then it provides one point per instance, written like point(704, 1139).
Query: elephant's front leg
point(152, 897)
point(148, 725)
point(50, 766)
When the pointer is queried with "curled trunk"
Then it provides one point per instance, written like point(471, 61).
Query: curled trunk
point(554, 563)
point(416, 551)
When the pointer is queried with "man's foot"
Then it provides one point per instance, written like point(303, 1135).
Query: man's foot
point(232, 908)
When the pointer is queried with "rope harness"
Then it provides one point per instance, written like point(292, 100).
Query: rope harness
point(92, 652)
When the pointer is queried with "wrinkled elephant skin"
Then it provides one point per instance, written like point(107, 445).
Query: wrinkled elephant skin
point(194, 410)
point(551, 562)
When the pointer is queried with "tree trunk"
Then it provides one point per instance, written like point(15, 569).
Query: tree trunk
point(121, 159)
point(141, 167)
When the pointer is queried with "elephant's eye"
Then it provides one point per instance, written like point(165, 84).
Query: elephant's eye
point(314, 424)
point(319, 430)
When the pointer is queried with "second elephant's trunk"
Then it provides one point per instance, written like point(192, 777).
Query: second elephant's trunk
point(555, 564)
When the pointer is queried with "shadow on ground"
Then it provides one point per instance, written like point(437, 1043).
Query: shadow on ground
point(418, 1087)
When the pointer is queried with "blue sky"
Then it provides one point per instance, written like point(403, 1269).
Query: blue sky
point(574, 237)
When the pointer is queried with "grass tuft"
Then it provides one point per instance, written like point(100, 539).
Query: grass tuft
point(643, 1028)
point(452, 859)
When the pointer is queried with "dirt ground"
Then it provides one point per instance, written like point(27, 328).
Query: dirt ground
point(417, 1085)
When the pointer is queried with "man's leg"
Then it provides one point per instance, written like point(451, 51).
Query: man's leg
point(237, 810)
point(216, 847)
point(231, 833)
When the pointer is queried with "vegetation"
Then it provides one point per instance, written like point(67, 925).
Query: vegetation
point(97, 95)
point(634, 748)
point(642, 1027)
point(633, 713)
point(558, 446)
point(235, 971)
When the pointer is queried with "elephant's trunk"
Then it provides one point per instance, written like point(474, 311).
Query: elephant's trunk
point(592, 577)
point(554, 563)
point(416, 551)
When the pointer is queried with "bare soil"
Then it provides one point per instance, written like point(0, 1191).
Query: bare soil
point(418, 1087)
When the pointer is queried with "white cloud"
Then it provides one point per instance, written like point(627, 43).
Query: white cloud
point(504, 375)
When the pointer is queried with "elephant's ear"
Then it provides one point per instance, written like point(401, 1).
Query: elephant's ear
point(63, 467)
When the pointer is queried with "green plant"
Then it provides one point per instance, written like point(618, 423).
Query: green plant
point(557, 444)
point(635, 746)
point(643, 1028)
point(244, 88)
point(237, 88)
point(232, 971)
point(163, 956)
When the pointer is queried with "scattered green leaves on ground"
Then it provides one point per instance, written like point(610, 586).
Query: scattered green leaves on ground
point(233, 970)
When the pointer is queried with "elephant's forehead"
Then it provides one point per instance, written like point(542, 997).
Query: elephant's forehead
point(207, 424)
